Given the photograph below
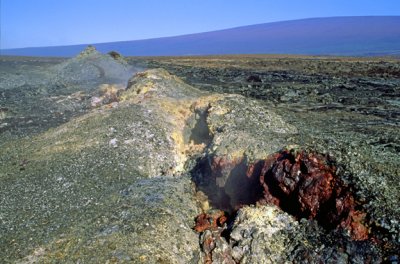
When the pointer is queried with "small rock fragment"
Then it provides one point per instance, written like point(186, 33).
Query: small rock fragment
point(113, 142)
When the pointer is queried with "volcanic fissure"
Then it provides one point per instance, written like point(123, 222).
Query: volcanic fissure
point(301, 183)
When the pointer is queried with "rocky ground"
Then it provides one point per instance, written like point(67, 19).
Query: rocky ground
point(240, 159)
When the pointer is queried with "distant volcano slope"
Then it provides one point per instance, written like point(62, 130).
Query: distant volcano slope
point(352, 36)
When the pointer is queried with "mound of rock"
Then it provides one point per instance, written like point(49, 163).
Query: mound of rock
point(91, 65)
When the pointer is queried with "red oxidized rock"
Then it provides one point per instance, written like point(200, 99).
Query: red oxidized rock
point(210, 221)
point(305, 185)
point(356, 226)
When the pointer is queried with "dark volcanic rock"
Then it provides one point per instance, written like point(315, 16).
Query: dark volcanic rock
point(113, 182)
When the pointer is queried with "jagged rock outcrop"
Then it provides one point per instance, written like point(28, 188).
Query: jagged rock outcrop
point(267, 235)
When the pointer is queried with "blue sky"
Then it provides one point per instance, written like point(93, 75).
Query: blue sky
point(31, 23)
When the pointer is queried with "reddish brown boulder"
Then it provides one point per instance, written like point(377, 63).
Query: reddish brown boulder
point(302, 183)
point(305, 185)
point(210, 221)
